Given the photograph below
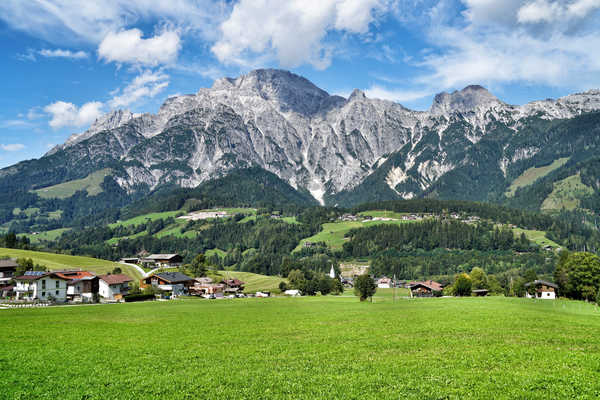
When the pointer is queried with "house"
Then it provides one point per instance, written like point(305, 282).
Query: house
point(129, 260)
point(480, 292)
point(174, 282)
point(425, 288)
point(541, 290)
point(204, 286)
point(8, 269)
point(384, 283)
point(41, 285)
point(292, 292)
point(114, 286)
point(233, 285)
point(82, 286)
point(162, 260)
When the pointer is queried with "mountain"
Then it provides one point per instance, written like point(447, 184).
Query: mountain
point(468, 145)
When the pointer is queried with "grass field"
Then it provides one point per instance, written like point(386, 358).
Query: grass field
point(304, 348)
point(46, 235)
point(533, 173)
point(91, 184)
point(62, 261)
point(566, 194)
point(538, 237)
point(254, 282)
point(145, 218)
point(333, 232)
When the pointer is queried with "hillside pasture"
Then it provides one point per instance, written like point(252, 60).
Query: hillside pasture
point(62, 261)
point(532, 174)
point(566, 194)
point(537, 237)
point(92, 184)
point(304, 348)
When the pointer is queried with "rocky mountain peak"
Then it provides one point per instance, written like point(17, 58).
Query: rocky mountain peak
point(469, 99)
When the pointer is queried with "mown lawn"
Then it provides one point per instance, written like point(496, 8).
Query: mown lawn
point(62, 261)
point(304, 348)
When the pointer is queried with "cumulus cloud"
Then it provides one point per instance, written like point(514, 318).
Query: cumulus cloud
point(549, 11)
point(12, 147)
point(65, 114)
point(59, 53)
point(128, 46)
point(291, 31)
point(396, 95)
point(147, 84)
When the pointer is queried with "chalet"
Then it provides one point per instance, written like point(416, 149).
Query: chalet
point(204, 286)
point(82, 286)
point(174, 282)
point(113, 287)
point(384, 283)
point(480, 292)
point(129, 260)
point(233, 285)
point(41, 285)
point(162, 260)
point(425, 289)
point(541, 290)
point(8, 269)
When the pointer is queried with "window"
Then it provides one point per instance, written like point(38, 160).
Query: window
point(57, 292)
point(57, 284)
point(44, 284)
point(43, 294)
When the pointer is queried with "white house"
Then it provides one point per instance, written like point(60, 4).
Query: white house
point(113, 287)
point(41, 285)
point(292, 292)
point(384, 283)
point(541, 290)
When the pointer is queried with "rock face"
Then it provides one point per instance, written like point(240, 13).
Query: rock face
point(322, 143)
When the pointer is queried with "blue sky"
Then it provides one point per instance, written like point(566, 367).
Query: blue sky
point(66, 62)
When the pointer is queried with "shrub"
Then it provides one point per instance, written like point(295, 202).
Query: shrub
point(462, 285)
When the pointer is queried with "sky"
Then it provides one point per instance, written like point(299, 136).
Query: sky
point(67, 62)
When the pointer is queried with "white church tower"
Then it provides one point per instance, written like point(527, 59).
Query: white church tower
point(332, 272)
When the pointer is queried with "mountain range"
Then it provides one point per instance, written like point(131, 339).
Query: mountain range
point(468, 145)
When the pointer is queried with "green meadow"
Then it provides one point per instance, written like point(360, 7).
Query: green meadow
point(62, 261)
point(304, 348)
point(92, 184)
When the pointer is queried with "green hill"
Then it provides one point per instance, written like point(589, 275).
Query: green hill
point(62, 261)
point(91, 184)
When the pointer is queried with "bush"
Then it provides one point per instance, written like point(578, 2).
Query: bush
point(364, 287)
point(462, 285)
point(138, 297)
point(283, 286)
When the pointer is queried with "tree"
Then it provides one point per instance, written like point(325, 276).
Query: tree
point(479, 279)
point(296, 278)
point(364, 287)
point(310, 287)
point(530, 275)
point(325, 285)
point(116, 270)
point(579, 276)
point(198, 265)
point(283, 286)
point(462, 285)
point(337, 287)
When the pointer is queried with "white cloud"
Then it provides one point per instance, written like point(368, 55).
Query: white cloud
point(129, 47)
point(147, 84)
point(538, 11)
point(76, 21)
point(12, 147)
point(291, 31)
point(59, 53)
point(68, 114)
point(396, 95)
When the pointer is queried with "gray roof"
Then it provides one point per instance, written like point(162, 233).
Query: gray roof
point(174, 277)
point(8, 263)
point(540, 282)
point(161, 256)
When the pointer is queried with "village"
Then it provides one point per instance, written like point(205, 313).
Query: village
point(164, 282)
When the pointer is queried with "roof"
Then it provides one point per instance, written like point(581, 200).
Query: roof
point(70, 275)
point(232, 282)
point(480, 291)
point(432, 285)
point(32, 275)
point(162, 256)
point(115, 278)
point(541, 282)
point(173, 277)
point(8, 263)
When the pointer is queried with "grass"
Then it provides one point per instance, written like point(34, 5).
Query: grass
point(254, 282)
point(145, 218)
point(532, 174)
point(333, 232)
point(46, 235)
point(63, 261)
point(538, 237)
point(92, 184)
point(566, 194)
point(304, 348)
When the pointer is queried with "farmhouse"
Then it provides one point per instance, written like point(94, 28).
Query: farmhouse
point(384, 283)
point(174, 282)
point(233, 285)
point(41, 285)
point(541, 290)
point(81, 285)
point(425, 289)
point(113, 287)
point(162, 260)
point(8, 269)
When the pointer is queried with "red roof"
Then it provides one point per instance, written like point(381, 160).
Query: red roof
point(115, 278)
point(73, 274)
